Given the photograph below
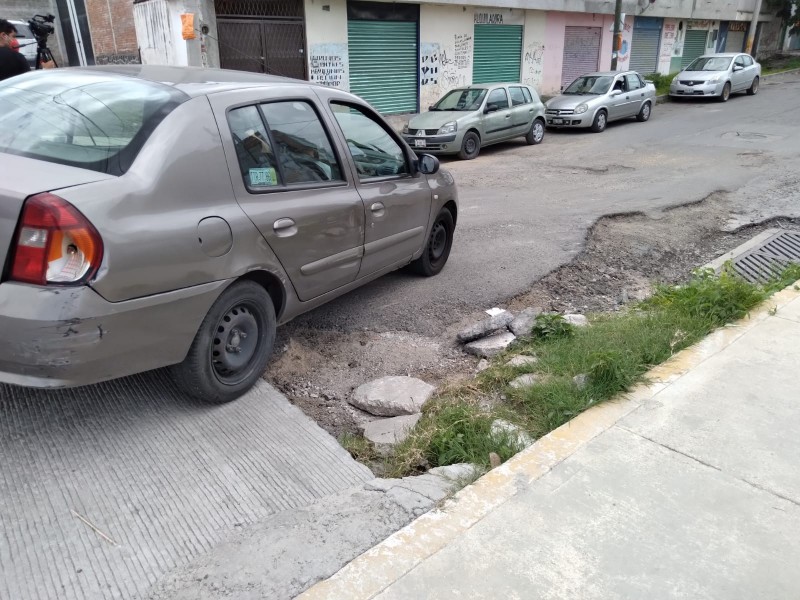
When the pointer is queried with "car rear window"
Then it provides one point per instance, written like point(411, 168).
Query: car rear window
point(83, 120)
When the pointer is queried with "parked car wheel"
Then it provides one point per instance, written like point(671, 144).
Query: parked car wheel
point(536, 134)
point(726, 92)
point(753, 89)
point(232, 347)
point(644, 113)
point(437, 248)
point(470, 147)
point(600, 121)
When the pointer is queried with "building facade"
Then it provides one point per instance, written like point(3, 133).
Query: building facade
point(403, 56)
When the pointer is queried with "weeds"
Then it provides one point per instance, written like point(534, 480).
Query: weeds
point(612, 355)
point(661, 82)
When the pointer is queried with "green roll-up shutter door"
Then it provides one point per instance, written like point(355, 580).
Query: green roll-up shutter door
point(498, 53)
point(644, 50)
point(694, 45)
point(383, 64)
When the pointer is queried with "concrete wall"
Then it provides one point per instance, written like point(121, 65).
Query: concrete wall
point(159, 35)
point(534, 48)
point(326, 40)
point(446, 50)
point(769, 39)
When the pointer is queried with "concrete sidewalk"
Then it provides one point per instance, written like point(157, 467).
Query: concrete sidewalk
point(687, 488)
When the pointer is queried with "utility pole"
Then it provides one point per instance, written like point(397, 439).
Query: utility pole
point(617, 43)
point(753, 26)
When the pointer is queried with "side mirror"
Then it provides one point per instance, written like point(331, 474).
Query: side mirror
point(615, 92)
point(737, 68)
point(431, 107)
point(490, 108)
point(428, 164)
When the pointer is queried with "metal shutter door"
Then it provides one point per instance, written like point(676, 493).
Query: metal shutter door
point(497, 54)
point(383, 64)
point(735, 41)
point(581, 52)
point(644, 50)
point(694, 45)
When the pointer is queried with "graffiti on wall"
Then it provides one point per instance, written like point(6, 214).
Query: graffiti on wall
point(624, 54)
point(532, 64)
point(668, 39)
point(328, 65)
point(429, 64)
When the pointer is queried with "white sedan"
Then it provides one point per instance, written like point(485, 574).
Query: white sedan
point(718, 75)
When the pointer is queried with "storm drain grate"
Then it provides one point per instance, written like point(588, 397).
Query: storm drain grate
point(770, 258)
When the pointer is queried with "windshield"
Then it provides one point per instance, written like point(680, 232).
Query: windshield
point(710, 63)
point(470, 99)
point(589, 84)
point(88, 121)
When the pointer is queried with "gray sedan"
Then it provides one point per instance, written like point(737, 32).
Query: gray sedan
point(157, 216)
point(718, 76)
point(595, 99)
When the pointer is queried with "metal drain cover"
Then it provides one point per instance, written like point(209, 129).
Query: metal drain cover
point(763, 257)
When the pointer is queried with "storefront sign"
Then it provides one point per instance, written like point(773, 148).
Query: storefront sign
point(488, 18)
point(737, 26)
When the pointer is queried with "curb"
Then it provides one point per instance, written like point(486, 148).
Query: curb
point(786, 72)
point(378, 568)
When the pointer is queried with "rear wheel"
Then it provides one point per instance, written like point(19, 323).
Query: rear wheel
point(437, 248)
point(536, 134)
point(231, 349)
point(726, 92)
point(470, 146)
point(753, 89)
point(644, 113)
point(600, 121)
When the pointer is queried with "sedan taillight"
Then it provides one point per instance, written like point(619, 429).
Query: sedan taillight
point(55, 243)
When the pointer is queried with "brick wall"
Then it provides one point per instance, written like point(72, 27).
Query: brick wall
point(113, 31)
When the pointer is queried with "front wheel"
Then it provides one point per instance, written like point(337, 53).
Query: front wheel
point(231, 349)
point(644, 113)
point(600, 121)
point(470, 147)
point(437, 248)
point(753, 89)
point(726, 92)
point(536, 134)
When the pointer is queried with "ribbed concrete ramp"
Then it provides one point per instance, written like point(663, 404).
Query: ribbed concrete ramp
point(106, 488)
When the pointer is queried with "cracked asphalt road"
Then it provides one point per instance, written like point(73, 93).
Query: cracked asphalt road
point(525, 210)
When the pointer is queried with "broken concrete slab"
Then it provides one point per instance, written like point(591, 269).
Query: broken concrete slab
point(522, 360)
point(577, 320)
point(459, 473)
point(392, 396)
point(522, 324)
point(483, 364)
point(486, 327)
point(524, 381)
point(490, 346)
point(390, 431)
point(506, 430)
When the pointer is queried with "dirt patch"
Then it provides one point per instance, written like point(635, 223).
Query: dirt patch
point(623, 257)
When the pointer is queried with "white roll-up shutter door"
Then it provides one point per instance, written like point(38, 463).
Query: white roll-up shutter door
point(735, 41)
point(581, 52)
point(644, 46)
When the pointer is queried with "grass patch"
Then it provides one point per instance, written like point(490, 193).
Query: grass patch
point(661, 82)
point(784, 64)
point(611, 355)
point(359, 448)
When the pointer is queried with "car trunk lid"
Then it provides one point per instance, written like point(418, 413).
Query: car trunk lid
point(22, 177)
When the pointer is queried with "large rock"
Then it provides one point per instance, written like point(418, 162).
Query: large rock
point(524, 381)
point(524, 322)
point(390, 431)
point(576, 320)
point(392, 396)
point(502, 429)
point(522, 361)
point(485, 327)
point(490, 346)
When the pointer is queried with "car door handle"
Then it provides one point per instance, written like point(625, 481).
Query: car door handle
point(284, 227)
point(378, 209)
point(508, 116)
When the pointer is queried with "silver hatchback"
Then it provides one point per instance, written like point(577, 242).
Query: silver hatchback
point(155, 216)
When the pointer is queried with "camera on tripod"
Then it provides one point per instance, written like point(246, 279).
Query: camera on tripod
point(41, 28)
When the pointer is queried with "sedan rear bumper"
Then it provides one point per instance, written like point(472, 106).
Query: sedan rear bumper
point(62, 337)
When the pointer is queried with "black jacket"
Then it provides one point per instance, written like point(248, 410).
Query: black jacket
point(12, 63)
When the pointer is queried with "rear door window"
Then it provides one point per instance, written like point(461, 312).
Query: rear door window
point(634, 83)
point(518, 96)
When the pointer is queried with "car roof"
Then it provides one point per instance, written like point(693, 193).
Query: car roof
point(486, 86)
point(194, 81)
point(721, 54)
point(607, 73)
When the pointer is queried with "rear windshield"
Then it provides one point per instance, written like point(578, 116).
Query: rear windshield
point(82, 120)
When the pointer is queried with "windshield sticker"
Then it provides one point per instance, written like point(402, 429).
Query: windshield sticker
point(263, 177)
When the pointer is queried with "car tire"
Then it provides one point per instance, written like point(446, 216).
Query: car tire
point(644, 112)
point(753, 89)
point(242, 320)
point(470, 146)
point(600, 121)
point(726, 92)
point(437, 246)
point(536, 134)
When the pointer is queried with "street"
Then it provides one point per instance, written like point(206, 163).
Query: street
point(107, 489)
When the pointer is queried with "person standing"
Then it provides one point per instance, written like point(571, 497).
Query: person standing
point(12, 63)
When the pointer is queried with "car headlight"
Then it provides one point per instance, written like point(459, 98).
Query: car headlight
point(405, 128)
point(448, 128)
point(675, 79)
point(581, 108)
point(715, 79)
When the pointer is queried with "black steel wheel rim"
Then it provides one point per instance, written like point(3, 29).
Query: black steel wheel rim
point(438, 242)
point(470, 145)
point(236, 341)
